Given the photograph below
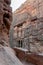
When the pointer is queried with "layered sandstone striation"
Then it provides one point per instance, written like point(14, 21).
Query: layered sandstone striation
point(5, 20)
point(6, 58)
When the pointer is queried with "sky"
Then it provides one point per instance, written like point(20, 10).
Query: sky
point(16, 4)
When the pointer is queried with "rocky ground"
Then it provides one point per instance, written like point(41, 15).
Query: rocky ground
point(8, 57)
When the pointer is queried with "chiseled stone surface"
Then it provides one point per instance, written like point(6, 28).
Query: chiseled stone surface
point(35, 27)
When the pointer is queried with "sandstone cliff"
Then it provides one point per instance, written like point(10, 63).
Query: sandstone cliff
point(5, 20)
point(35, 28)
point(7, 55)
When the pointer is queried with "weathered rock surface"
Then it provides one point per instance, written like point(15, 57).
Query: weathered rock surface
point(34, 33)
point(8, 57)
point(5, 19)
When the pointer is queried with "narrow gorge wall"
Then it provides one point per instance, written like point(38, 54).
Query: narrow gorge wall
point(5, 20)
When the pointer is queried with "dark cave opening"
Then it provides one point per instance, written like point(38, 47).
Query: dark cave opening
point(5, 21)
point(6, 15)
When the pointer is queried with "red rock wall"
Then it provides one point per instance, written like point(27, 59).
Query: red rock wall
point(5, 19)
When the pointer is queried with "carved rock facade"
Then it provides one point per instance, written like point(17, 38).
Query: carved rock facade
point(33, 33)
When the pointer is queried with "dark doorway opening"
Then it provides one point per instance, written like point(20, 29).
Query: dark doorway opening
point(20, 43)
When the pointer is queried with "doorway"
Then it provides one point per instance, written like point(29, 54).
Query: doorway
point(20, 43)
